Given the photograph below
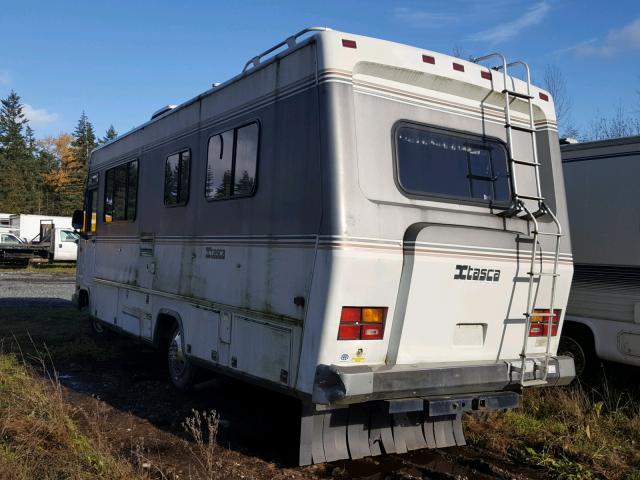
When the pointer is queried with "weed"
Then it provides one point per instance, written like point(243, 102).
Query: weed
point(203, 428)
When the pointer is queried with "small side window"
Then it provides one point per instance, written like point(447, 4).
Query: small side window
point(176, 178)
point(232, 163)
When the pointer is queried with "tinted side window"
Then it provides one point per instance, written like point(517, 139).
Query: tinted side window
point(436, 163)
point(232, 163)
point(176, 178)
point(121, 192)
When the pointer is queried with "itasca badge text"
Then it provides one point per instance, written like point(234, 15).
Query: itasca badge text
point(467, 272)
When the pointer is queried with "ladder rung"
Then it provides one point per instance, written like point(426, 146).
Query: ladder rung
point(543, 274)
point(518, 95)
point(550, 234)
point(529, 197)
point(524, 162)
point(539, 314)
point(522, 129)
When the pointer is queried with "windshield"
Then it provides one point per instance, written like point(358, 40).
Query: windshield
point(9, 238)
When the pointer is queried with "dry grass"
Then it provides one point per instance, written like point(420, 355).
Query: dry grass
point(573, 433)
point(203, 429)
point(39, 439)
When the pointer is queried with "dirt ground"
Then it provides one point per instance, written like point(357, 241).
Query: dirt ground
point(123, 388)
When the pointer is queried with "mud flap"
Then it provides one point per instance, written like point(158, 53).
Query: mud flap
point(368, 429)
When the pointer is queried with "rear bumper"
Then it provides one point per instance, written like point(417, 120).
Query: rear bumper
point(336, 384)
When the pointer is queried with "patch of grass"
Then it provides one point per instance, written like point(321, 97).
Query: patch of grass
point(39, 439)
point(69, 268)
point(63, 332)
point(572, 433)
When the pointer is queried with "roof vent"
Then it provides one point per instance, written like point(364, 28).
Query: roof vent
point(568, 141)
point(162, 111)
point(215, 84)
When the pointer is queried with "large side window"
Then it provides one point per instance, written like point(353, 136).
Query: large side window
point(232, 163)
point(433, 162)
point(121, 192)
point(91, 204)
point(176, 178)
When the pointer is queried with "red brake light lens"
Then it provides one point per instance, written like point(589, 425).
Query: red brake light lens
point(539, 325)
point(349, 332)
point(351, 314)
point(362, 323)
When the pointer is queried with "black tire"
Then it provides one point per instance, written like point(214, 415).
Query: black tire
point(577, 342)
point(182, 372)
point(97, 327)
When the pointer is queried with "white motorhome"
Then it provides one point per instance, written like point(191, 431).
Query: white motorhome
point(377, 229)
point(603, 314)
point(5, 223)
point(28, 227)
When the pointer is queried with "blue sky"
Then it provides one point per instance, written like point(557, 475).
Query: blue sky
point(122, 60)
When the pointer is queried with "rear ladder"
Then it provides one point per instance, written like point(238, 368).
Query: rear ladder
point(520, 209)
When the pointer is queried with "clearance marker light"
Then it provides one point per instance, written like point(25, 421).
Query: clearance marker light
point(362, 323)
point(486, 75)
point(543, 96)
point(428, 59)
point(458, 66)
point(349, 43)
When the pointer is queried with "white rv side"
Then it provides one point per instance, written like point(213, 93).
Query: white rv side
point(27, 226)
point(377, 229)
point(603, 314)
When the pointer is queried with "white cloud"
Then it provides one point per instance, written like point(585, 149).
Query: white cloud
point(423, 18)
point(38, 116)
point(507, 30)
point(4, 77)
point(616, 41)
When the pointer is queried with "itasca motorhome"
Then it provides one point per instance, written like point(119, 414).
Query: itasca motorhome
point(377, 229)
point(603, 314)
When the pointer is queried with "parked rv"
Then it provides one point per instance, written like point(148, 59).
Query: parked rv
point(603, 314)
point(27, 227)
point(377, 229)
point(5, 223)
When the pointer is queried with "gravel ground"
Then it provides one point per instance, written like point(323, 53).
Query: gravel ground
point(35, 289)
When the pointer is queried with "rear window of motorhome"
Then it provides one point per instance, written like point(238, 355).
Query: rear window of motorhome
point(232, 162)
point(176, 178)
point(121, 192)
point(432, 162)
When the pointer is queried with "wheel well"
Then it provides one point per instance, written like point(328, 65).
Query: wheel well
point(579, 330)
point(165, 325)
point(83, 298)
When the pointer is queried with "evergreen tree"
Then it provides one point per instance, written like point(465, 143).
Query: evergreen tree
point(84, 141)
point(14, 156)
point(109, 135)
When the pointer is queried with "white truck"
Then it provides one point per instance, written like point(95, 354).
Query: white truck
point(376, 229)
point(52, 243)
point(603, 313)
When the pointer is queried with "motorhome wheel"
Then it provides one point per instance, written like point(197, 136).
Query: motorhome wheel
point(181, 370)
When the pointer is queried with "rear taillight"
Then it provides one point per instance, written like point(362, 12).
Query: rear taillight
point(362, 323)
point(539, 323)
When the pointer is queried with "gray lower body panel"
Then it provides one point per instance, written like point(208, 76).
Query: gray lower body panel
point(341, 385)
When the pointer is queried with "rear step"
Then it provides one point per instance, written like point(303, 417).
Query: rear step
point(395, 426)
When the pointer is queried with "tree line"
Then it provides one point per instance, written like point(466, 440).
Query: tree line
point(43, 176)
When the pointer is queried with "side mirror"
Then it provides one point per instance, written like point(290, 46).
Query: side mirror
point(77, 221)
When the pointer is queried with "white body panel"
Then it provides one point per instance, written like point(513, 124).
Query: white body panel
point(27, 227)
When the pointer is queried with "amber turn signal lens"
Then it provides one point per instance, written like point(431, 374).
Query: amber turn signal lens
point(373, 315)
